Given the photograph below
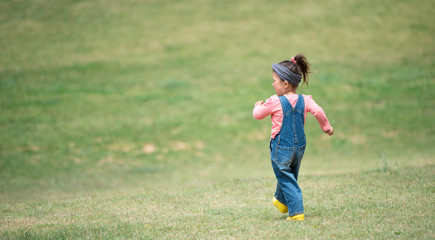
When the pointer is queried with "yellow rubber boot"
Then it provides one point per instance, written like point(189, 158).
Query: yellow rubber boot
point(281, 207)
point(298, 217)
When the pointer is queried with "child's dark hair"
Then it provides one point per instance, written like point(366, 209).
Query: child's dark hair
point(301, 67)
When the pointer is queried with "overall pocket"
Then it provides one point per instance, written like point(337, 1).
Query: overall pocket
point(283, 156)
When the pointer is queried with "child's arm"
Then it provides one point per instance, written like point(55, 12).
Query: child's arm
point(264, 109)
point(318, 112)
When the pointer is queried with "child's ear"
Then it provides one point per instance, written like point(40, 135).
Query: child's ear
point(287, 84)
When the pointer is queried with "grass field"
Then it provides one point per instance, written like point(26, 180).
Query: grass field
point(133, 119)
point(367, 205)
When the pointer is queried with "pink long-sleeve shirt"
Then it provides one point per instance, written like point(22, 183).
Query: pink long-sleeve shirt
point(273, 107)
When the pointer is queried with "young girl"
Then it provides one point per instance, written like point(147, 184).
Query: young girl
point(287, 144)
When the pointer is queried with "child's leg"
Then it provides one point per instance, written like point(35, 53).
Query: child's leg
point(289, 189)
point(291, 192)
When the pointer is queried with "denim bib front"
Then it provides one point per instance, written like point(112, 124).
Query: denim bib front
point(292, 129)
point(291, 137)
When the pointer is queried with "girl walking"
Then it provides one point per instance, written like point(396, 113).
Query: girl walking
point(287, 145)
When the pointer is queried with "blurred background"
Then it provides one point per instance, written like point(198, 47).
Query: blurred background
point(108, 95)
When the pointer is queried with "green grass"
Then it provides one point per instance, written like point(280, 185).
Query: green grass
point(108, 100)
point(378, 204)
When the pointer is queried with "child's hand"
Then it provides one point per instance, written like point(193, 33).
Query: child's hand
point(330, 131)
point(259, 103)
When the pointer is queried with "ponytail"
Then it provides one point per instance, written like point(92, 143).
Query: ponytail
point(298, 65)
point(304, 66)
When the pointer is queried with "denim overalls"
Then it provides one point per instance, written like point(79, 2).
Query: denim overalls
point(286, 151)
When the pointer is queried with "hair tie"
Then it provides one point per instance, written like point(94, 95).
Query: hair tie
point(293, 60)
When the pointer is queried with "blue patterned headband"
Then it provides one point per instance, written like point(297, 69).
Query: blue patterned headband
point(286, 75)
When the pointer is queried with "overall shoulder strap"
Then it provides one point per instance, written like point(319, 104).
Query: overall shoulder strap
point(286, 106)
point(300, 104)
